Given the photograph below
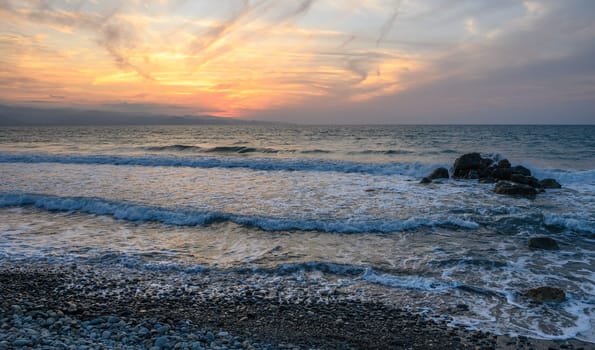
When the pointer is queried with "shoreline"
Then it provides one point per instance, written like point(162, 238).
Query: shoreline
point(99, 305)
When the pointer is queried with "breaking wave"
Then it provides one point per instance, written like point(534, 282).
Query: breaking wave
point(264, 164)
point(187, 217)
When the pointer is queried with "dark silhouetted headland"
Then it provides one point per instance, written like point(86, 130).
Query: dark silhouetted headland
point(31, 116)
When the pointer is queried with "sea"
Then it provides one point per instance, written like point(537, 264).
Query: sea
point(331, 204)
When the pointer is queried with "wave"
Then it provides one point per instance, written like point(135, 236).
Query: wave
point(173, 148)
point(217, 149)
point(240, 149)
point(264, 164)
point(572, 223)
point(316, 151)
point(355, 273)
point(443, 151)
point(412, 169)
point(408, 282)
point(484, 263)
point(567, 176)
point(229, 149)
point(368, 274)
point(387, 151)
point(127, 211)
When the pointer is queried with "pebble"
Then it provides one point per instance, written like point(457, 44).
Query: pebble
point(110, 332)
point(106, 334)
point(39, 326)
point(161, 342)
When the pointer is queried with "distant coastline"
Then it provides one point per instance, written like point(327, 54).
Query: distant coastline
point(33, 116)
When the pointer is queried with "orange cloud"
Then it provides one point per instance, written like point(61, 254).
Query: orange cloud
point(259, 57)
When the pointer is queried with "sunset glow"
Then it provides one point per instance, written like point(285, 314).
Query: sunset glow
point(244, 58)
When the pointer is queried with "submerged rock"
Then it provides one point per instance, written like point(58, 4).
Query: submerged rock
point(425, 180)
point(439, 173)
point(515, 189)
point(546, 294)
point(543, 243)
point(550, 183)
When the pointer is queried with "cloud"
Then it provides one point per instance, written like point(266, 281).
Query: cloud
point(238, 56)
point(235, 30)
point(387, 26)
point(117, 37)
point(346, 42)
point(537, 68)
point(470, 26)
point(114, 34)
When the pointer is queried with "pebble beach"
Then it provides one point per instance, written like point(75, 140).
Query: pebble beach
point(81, 307)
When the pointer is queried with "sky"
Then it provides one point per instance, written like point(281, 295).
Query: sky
point(305, 61)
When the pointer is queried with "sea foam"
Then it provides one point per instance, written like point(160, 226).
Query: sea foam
point(185, 217)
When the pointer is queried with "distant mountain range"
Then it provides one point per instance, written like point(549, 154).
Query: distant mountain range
point(31, 116)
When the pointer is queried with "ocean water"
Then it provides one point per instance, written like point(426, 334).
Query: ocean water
point(339, 205)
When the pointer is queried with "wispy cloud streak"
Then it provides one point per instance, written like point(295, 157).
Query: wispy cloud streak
point(113, 34)
point(388, 25)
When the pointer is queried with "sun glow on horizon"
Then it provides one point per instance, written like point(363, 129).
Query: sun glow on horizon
point(266, 58)
point(254, 56)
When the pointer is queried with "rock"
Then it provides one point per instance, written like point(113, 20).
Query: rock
point(486, 162)
point(462, 307)
point(525, 180)
point(439, 173)
point(473, 174)
point(197, 346)
point(425, 180)
point(465, 163)
point(96, 321)
point(521, 170)
point(20, 342)
point(162, 342)
point(504, 164)
point(515, 189)
point(209, 336)
point(543, 243)
point(472, 166)
point(546, 294)
point(550, 183)
point(502, 173)
point(106, 334)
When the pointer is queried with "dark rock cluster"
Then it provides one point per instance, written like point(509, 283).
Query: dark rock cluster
point(543, 243)
point(438, 173)
point(510, 180)
point(546, 294)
